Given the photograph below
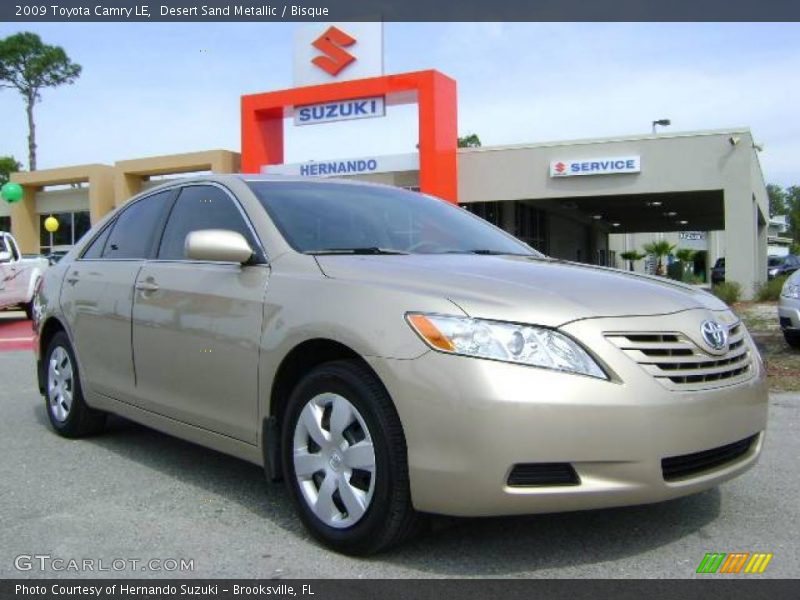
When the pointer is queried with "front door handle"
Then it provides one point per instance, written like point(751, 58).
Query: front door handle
point(147, 286)
point(73, 278)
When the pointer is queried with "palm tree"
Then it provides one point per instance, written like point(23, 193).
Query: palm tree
point(632, 256)
point(659, 249)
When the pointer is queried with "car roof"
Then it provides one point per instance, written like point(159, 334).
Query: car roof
point(257, 177)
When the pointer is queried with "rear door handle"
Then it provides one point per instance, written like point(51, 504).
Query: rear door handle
point(147, 286)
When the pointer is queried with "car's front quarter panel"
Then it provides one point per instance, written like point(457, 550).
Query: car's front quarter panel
point(302, 304)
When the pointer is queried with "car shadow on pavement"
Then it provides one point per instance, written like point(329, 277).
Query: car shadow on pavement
point(463, 547)
point(190, 464)
point(454, 546)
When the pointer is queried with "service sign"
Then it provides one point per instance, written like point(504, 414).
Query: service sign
point(341, 110)
point(388, 163)
point(595, 166)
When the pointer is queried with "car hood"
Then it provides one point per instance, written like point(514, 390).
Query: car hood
point(522, 289)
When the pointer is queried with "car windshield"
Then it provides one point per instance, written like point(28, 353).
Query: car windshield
point(320, 217)
point(774, 261)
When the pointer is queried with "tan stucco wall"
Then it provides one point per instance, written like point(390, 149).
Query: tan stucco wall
point(129, 174)
point(24, 215)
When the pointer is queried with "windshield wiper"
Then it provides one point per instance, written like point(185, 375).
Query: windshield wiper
point(364, 250)
point(487, 252)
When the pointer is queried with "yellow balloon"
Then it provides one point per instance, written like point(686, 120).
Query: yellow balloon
point(51, 224)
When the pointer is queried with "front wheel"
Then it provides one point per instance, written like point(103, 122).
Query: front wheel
point(344, 459)
point(792, 338)
point(69, 415)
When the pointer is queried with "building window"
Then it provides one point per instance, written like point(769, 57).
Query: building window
point(531, 226)
point(71, 227)
point(490, 211)
point(5, 224)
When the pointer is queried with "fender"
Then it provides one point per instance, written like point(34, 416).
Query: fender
point(33, 280)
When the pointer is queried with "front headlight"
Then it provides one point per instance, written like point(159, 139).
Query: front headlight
point(791, 290)
point(509, 342)
point(773, 272)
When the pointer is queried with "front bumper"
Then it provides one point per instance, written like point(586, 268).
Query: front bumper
point(468, 421)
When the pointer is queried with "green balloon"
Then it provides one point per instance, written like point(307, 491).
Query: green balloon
point(11, 192)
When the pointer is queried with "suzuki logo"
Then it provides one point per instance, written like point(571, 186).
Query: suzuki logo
point(331, 44)
point(714, 334)
point(560, 167)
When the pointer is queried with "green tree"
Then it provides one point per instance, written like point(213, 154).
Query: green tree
point(792, 195)
point(631, 256)
point(29, 65)
point(470, 140)
point(659, 249)
point(686, 257)
point(8, 165)
point(777, 200)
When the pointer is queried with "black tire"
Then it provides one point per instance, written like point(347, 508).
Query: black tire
point(390, 517)
point(792, 338)
point(81, 420)
point(28, 308)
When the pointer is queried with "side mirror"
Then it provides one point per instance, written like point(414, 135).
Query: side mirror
point(5, 256)
point(217, 245)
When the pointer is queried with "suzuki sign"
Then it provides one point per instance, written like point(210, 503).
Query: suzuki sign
point(328, 52)
point(363, 108)
point(595, 166)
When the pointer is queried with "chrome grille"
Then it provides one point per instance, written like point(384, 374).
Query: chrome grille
point(680, 364)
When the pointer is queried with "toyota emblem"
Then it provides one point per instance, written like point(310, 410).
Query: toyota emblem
point(715, 335)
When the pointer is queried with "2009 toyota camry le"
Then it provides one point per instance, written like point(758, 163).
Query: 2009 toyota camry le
point(390, 355)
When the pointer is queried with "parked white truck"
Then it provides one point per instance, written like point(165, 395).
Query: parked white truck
point(18, 276)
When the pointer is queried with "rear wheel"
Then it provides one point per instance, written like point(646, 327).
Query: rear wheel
point(69, 415)
point(792, 338)
point(344, 458)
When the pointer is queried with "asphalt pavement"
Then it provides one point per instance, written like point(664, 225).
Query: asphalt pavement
point(133, 494)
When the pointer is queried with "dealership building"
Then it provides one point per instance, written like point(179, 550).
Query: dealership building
point(580, 200)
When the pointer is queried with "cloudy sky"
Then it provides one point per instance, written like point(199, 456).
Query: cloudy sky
point(151, 89)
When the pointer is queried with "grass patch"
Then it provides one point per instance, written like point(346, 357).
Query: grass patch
point(730, 292)
point(770, 290)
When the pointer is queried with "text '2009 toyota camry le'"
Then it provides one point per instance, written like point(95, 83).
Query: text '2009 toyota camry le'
point(389, 355)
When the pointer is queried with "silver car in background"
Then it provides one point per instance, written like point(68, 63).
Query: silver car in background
point(789, 310)
point(390, 355)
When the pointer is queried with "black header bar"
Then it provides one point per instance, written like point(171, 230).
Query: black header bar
point(397, 10)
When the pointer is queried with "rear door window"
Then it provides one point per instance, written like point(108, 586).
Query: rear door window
point(134, 232)
point(95, 248)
